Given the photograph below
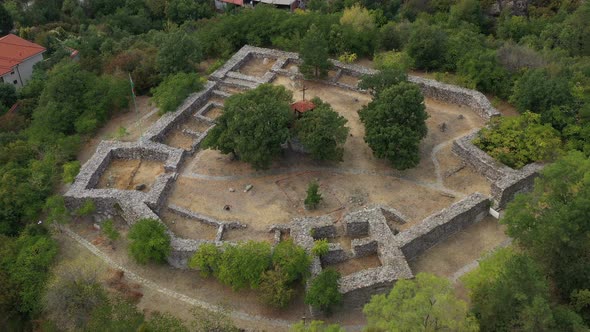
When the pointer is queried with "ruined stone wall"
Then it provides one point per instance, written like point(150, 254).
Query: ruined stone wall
point(443, 224)
point(522, 181)
point(505, 181)
point(456, 95)
point(481, 161)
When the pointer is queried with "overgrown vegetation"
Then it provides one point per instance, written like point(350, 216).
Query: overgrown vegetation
point(517, 141)
point(323, 292)
point(149, 241)
point(274, 273)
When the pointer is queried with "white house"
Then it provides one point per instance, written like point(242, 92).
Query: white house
point(17, 58)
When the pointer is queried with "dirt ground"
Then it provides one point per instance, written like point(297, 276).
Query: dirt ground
point(361, 179)
point(126, 174)
point(451, 255)
point(189, 228)
point(277, 196)
point(356, 264)
point(257, 67)
point(134, 124)
point(191, 284)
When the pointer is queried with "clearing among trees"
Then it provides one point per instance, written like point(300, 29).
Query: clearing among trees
point(204, 196)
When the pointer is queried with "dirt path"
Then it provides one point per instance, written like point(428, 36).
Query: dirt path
point(238, 315)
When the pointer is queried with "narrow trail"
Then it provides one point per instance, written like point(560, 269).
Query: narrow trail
point(236, 314)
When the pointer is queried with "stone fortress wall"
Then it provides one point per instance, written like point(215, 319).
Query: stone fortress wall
point(393, 249)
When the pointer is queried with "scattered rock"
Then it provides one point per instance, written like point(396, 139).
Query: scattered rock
point(248, 188)
point(443, 127)
point(140, 187)
point(460, 117)
point(231, 190)
point(96, 226)
point(265, 61)
point(448, 195)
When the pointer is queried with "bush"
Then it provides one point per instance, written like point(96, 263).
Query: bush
point(71, 169)
point(149, 241)
point(174, 89)
point(323, 292)
point(292, 260)
point(314, 197)
point(206, 259)
point(275, 289)
point(86, 209)
point(517, 141)
point(242, 265)
point(320, 247)
point(109, 229)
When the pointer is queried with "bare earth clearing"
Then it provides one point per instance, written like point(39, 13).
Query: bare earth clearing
point(277, 196)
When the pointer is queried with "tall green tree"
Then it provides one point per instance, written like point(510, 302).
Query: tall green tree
point(6, 23)
point(382, 80)
point(323, 292)
point(322, 132)
point(253, 125)
point(314, 53)
point(149, 241)
point(427, 45)
point(179, 52)
point(551, 222)
point(395, 122)
point(426, 303)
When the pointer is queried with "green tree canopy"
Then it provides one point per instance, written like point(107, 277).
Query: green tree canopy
point(174, 89)
point(395, 124)
point(179, 52)
point(426, 303)
point(242, 265)
point(323, 292)
point(427, 45)
point(292, 260)
point(382, 80)
point(314, 53)
point(509, 292)
point(149, 241)
point(517, 141)
point(538, 91)
point(6, 22)
point(552, 222)
point(253, 125)
point(322, 132)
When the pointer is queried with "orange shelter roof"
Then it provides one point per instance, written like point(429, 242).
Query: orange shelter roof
point(302, 106)
point(14, 50)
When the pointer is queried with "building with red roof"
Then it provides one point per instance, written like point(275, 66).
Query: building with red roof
point(17, 58)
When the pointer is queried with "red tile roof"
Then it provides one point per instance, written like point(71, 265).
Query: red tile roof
point(302, 106)
point(14, 50)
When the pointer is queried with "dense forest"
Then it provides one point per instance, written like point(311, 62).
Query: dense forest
point(535, 56)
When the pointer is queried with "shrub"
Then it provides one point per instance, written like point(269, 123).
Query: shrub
point(242, 265)
point(292, 260)
point(206, 259)
point(314, 197)
point(323, 292)
point(174, 89)
point(109, 229)
point(517, 141)
point(149, 241)
point(275, 288)
point(86, 209)
point(71, 169)
point(320, 247)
